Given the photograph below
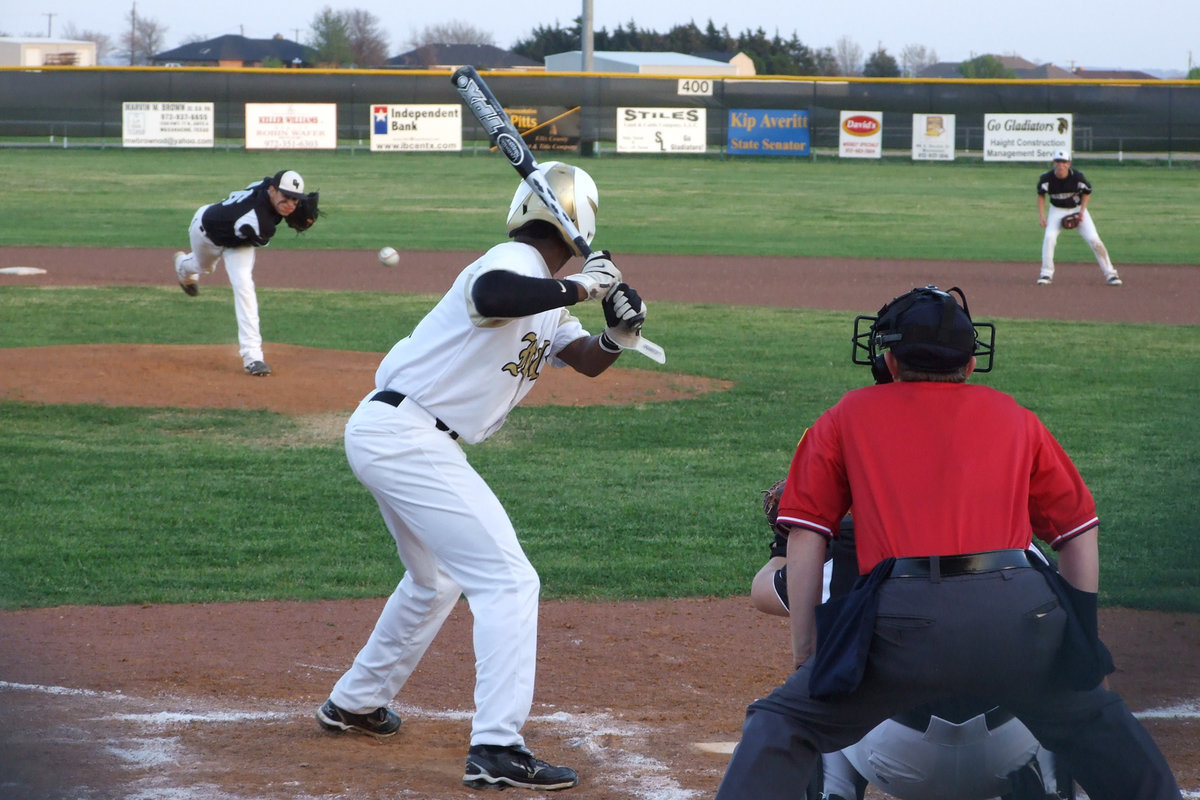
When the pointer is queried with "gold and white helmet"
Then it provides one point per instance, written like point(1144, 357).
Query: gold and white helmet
point(577, 193)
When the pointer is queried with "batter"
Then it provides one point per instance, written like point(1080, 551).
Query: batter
point(454, 379)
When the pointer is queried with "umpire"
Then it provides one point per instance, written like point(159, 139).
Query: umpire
point(950, 482)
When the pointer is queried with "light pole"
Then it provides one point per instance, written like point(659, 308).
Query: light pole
point(586, 36)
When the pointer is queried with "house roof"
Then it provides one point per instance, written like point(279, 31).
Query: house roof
point(1023, 68)
point(232, 47)
point(1115, 74)
point(39, 40)
point(481, 56)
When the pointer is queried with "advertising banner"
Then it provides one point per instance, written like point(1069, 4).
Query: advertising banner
point(662, 130)
point(933, 137)
point(291, 126)
point(860, 134)
point(416, 127)
point(167, 125)
point(768, 132)
point(547, 129)
point(1026, 137)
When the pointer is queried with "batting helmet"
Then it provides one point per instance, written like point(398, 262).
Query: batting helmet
point(576, 192)
point(928, 330)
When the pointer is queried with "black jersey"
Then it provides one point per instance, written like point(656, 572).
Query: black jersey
point(244, 218)
point(1065, 192)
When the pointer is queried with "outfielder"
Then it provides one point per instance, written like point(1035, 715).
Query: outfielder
point(949, 482)
point(464, 367)
point(1069, 192)
point(232, 230)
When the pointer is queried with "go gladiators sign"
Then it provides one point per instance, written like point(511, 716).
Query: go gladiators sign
point(1026, 137)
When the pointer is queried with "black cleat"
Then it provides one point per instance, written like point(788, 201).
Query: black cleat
point(497, 767)
point(381, 722)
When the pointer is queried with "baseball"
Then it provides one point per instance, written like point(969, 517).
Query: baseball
point(389, 257)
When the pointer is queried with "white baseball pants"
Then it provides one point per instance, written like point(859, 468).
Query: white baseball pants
point(453, 537)
point(239, 266)
point(1087, 229)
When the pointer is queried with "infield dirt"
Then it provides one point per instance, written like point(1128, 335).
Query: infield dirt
point(216, 701)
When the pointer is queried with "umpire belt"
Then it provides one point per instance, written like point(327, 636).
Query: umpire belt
point(937, 567)
point(395, 399)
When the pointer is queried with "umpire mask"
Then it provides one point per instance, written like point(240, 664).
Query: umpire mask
point(928, 330)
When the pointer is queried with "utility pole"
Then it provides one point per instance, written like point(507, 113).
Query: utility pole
point(49, 21)
point(587, 41)
point(132, 33)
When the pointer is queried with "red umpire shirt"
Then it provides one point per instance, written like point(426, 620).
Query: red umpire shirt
point(940, 483)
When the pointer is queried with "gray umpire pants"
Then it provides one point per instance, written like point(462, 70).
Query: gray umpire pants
point(991, 637)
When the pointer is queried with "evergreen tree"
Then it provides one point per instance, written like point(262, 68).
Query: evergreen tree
point(881, 65)
point(329, 35)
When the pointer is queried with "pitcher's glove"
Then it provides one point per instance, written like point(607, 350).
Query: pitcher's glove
point(306, 212)
point(1071, 221)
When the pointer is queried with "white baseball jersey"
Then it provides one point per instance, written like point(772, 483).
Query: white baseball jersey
point(470, 371)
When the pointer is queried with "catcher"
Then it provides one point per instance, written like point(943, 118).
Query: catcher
point(959, 750)
point(232, 229)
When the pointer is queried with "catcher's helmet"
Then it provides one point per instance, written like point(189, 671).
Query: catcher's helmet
point(289, 183)
point(928, 330)
point(576, 192)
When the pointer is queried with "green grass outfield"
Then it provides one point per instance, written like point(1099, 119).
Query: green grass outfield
point(127, 505)
point(681, 204)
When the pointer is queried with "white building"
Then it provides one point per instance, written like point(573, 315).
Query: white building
point(35, 52)
point(648, 63)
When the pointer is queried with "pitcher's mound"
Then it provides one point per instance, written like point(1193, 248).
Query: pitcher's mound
point(304, 380)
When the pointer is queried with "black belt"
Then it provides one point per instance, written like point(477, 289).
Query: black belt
point(935, 567)
point(395, 399)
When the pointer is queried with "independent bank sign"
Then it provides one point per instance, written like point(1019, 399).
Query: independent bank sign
point(768, 132)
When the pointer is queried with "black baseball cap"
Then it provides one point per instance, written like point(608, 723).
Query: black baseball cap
point(928, 330)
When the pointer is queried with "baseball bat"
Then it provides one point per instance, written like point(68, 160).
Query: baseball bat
point(504, 137)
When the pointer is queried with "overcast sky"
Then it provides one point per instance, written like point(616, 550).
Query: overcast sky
point(1116, 34)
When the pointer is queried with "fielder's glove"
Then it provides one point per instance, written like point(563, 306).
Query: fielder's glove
point(1071, 221)
point(770, 506)
point(305, 213)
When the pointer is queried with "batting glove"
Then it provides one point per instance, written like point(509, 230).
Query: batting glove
point(599, 275)
point(624, 312)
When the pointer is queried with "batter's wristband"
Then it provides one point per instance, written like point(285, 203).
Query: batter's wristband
point(608, 345)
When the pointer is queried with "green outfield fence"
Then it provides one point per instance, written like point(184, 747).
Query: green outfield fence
point(1150, 118)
